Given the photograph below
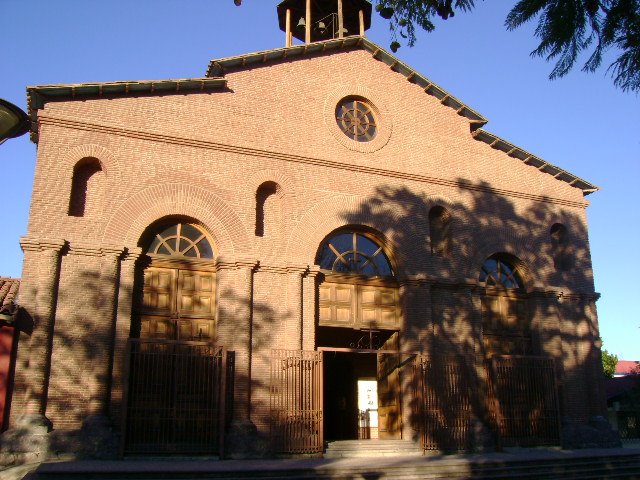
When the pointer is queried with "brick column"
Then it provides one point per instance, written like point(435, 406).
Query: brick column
point(41, 296)
point(234, 313)
point(309, 307)
point(597, 397)
point(122, 330)
point(104, 330)
point(294, 289)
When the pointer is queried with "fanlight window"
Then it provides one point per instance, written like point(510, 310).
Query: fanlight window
point(351, 252)
point(181, 240)
point(496, 272)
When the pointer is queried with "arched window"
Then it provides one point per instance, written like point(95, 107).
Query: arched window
point(505, 320)
point(86, 187)
point(498, 271)
point(560, 250)
point(181, 240)
point(439, 231)
point(358, 289)
point(353, 252)
point(178, 296)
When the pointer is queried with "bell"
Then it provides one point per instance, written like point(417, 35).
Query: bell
point(301, 24)
point(321, 28)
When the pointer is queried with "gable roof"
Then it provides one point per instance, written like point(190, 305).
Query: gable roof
point(217, 68)
point(38, 96)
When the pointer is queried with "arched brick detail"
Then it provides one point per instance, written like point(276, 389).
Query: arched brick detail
point(507, 242)
point(136, 214)
point(286, 187)
point(440, 200)
point(329, 215)
point(108, 161)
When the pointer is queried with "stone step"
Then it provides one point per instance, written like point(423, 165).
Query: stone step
point(618, 466)
point(371, 448)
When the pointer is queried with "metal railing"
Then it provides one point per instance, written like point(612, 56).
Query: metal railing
point(296, 401)
point(175, 400)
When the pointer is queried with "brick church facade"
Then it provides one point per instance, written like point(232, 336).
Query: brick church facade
point(212, 264)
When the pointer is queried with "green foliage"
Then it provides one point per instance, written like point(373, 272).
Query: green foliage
point(609, 362)
point(566, 29)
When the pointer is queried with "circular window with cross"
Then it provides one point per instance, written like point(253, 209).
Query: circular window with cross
point(356, 118)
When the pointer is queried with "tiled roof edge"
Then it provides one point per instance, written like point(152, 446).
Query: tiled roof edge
point(8, 290)
point(530, 159)
point(219, 67)
point(38, 96)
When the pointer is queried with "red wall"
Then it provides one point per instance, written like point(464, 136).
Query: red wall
point(7, 363)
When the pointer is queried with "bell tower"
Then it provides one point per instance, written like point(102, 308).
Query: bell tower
point(317, 20)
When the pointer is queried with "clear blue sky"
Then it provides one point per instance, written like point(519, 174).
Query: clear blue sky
point(580, 123)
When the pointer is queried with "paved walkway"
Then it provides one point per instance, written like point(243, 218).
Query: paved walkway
point(202, 466)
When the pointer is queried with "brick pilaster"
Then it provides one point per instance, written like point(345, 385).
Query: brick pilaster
point(309, 308)
point(40, 303)
point(122, 330)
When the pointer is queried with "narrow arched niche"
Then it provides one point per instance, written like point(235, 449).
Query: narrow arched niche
point(266, 208)
point(86, 187)
point(560, 247)
point(440, 231)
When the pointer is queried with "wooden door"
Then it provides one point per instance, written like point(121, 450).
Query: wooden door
point(389, 421)
point(178, 304)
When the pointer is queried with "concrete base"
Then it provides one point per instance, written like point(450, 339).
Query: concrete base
point(243, 441)
point(596, 434)
point(98, 439)
point(29, 435)
point(483, 438)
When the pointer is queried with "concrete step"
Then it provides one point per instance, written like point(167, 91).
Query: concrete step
point(371, 448)
point(600, 465)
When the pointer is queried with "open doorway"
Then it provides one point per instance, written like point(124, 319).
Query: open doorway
point(362, 393)
point(344, 372)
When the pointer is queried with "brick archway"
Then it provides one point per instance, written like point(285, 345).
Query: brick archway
point(128, 223)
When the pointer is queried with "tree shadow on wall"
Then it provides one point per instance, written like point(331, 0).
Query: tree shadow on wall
point(462, 402)
point(80, 373)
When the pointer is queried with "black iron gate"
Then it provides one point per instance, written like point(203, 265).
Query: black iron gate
point(175, 397)
point(526, 400)
point(446, 386)
point(296, 401)
point(516, 396)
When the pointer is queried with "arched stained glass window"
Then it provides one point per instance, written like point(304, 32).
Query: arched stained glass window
point(352, 252)
point(181, 240)
point(498, 272)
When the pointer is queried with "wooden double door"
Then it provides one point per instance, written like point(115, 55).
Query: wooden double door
point(178, 304)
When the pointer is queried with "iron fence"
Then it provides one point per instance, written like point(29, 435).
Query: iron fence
point(296, 401)
point(175, 397)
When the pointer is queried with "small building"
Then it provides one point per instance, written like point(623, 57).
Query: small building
point(627, 367)
point(8, 344)
point(213, 265)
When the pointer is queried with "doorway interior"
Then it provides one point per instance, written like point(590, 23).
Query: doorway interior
point(362, 395)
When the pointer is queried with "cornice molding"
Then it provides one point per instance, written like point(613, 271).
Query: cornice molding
point(32, 244)
point(49, 119)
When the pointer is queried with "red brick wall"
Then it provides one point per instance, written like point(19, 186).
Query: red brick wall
point(203, 156)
